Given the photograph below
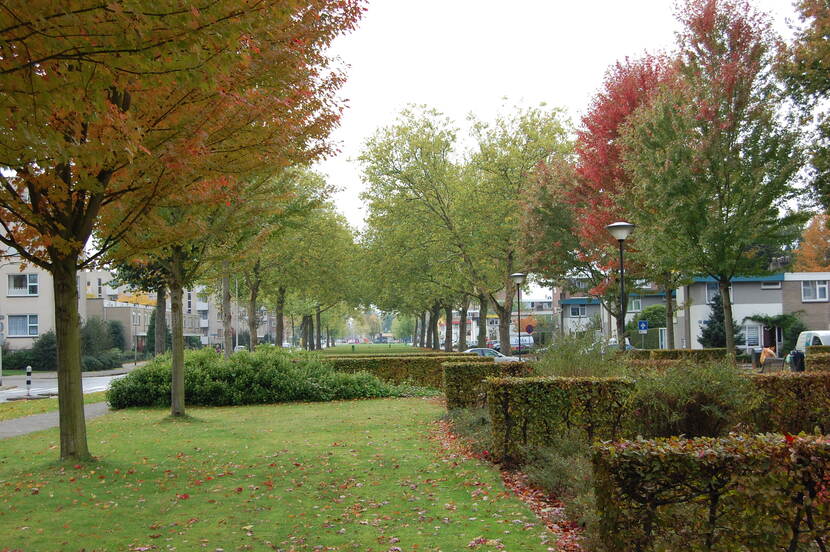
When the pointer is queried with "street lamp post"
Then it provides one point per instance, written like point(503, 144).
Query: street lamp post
point(518, 279)
point(621, 231)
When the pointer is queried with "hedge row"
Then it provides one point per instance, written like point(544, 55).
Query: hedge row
point(817, 362)
point(420, 370)
point(759, 493)
point(643, 365)
point(793, 402)
point(529, 412)
point(818, 349)
point(464, 382)
point(459, 356)
point(697, 355)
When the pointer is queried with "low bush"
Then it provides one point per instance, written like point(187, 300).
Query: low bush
point(45, 352)
point(579, 356)
point(761, 493)
point(817, 362)
point(265, 376)
point(636, 367)
point(464, 382)
point(19, 360)
point(473, 424)
point(529, 413)
point(638, 354)
point(695, 400)
point(420, 370)
point(794, 402)
point(697, 355)
point(818, 349)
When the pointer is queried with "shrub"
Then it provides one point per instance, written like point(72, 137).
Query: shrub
point(90, 363)
point(638, 354)
point(420, 370)
point(463, 382)
point(695, 400)
point(817, 362)
point(636, 367)
point(760, 493)
point(697, 355)
point(792, 402)
point(45, 352)
point(406, 355)
point(95, 336)
point(579, 355)
point(19, 360)
point(818, 349)
point(530, 412)
point(265, 376)
point(474, 425)
point(118, 337)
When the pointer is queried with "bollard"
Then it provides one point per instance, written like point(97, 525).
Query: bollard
point(28, 381)
point(352, 348)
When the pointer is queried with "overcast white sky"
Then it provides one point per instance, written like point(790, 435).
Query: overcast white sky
point(462, 56)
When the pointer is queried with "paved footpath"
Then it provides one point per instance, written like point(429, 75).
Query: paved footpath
point(47, 420)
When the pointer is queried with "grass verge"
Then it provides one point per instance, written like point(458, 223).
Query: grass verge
point(357, 475)
point(371, 349)
point(18, 409)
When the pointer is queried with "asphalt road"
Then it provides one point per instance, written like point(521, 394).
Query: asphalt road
point(49, 385)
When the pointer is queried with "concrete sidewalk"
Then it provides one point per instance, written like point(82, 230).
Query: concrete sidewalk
point(47, 420)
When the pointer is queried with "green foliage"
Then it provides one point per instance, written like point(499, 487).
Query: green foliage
point(151, 335)
point(691, 399)
point(267, 375)
point(420, 370)
point(95, 336)
point(696, 355)
point(45, 352)
point(655, 315)
point(792, 402)
point(579, 355)
point(811, 349)
point(528, 413)
point(712, 331)
point(473, 424)
point(817, 362)
point(18, 360)
point(761, 493)
point(118, 337)
point(464, 382)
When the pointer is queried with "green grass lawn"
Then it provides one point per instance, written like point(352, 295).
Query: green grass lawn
point(326, 476)
point(14, 372)
point(372, 349)
point(18, 409)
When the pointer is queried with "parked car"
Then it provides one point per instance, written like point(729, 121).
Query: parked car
point(497, 356)
point(240, 348)
point(812, 337)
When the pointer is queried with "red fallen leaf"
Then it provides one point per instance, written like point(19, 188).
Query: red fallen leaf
point(297, 464)
point(155, 535)
point(239, 489)
point(209, 478)
point(183, 496)
point(78, 467)
point(72, 479)
point(269, 484)
point(789, 438)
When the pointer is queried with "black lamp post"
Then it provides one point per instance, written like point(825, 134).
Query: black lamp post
point(518, 279)
point(621, 231)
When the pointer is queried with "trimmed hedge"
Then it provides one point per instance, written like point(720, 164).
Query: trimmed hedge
point(759, 493)
point(818, 349)
point(464, 384)
point(793, 402)
point(263, 377)
point(647, 366)
point(638, 354)
point(817, 362)
point(530, 412)
point(698, 355)
point(460, 356)
point(420, 370)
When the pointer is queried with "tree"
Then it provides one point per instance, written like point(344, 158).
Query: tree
point(813, 253)
point(152, 334)
point(118, 337)
point(94, 124)
point(806, 74)
point(713, 330)
point(148, 277)
point(712, 164)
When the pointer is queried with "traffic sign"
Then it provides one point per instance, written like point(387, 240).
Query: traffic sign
point(529, 329)
point(642, 325)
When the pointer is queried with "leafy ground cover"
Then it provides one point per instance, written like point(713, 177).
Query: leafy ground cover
point(18, 409)
point(372, 349)
point(360, 475)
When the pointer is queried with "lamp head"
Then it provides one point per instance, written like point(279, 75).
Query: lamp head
point(518, 278)
point(620, 230)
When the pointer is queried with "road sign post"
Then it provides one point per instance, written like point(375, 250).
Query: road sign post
point(642, 327)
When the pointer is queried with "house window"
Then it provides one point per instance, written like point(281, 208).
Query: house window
point(578, 311)
point(100, 288)
point(635, 304)
point(22, 285)
point(22, 325)
point(713, 290)
point(770, 285)
point(814, 290)
point(189, 302)
point(752, 335)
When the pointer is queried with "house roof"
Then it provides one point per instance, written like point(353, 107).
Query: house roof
point(768, 278)
point(579, 301)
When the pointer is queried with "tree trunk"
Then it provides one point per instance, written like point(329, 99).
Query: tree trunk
point(161, 321)
point(482, 320)
point(723, 286)
point(448, 329)
point(227, 330)
point(669, 320)
point(280, 316)
point(415, 333)
point(319, 336)
point(177, 323)
point(505, 312)
point(428, 342)
point(303, 334)
point(70, 388)
point(253, 319)
point(462, 324)
point(436, 310)
point(424, 330)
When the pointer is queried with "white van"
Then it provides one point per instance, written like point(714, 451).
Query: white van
point(812, 337)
